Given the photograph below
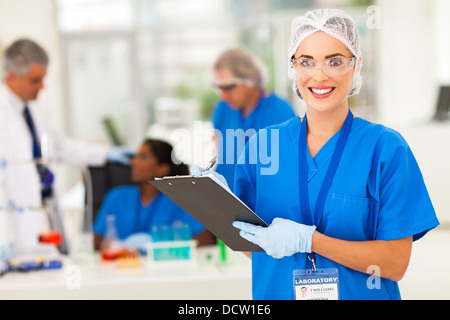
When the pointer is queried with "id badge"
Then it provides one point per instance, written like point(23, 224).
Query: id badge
point(321, 284)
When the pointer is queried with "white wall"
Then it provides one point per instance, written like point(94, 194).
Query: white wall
point(441, 38)
point(414, 47)
point(36, 19)
point(407, 81)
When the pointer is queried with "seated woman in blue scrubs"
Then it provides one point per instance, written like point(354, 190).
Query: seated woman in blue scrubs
point(348, 200)
point(139, 207)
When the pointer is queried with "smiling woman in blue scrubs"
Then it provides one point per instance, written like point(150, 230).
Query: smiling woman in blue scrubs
point(348, 200)
point(140, 207)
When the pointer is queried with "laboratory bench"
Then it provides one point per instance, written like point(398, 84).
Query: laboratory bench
point(89, 277)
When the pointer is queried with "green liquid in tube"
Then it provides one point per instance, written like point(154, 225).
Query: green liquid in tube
point(222, 251)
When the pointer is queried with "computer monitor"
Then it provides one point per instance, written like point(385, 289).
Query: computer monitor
point(98, 181)
point(443, 105)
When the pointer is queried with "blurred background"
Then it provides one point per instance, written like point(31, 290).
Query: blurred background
point(122, 70)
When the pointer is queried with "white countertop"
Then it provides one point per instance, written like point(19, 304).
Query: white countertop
point(95, 279)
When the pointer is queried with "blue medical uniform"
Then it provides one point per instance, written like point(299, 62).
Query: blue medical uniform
point(271, 110)
point(378, 193)
point(132, 217)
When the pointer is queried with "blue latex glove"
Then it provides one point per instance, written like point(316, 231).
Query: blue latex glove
point(138, 240)
point(198, 172)
point(120, 155)
point(282, 238)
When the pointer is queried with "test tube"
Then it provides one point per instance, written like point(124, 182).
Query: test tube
point(166, 233)
point(155, 238)
point(178, 236)
point(182, 232)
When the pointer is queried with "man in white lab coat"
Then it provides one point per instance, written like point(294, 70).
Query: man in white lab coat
point(27, 137)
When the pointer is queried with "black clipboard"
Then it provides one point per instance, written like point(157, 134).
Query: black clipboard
point(215, 207)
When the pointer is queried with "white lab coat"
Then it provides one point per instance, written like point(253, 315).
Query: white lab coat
point(19, 180)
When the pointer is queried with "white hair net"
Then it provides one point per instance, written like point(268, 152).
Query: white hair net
point(335, 23)
point(243, 65)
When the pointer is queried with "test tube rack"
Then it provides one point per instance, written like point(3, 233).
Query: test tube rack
point(172, 252)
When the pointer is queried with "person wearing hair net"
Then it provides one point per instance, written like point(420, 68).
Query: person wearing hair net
point(26, 132)
point(348, 200)
point(244, 105)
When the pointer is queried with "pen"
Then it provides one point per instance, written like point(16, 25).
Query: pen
point(211, 163)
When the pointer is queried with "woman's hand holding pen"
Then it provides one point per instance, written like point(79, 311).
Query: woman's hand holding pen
point(197, 171)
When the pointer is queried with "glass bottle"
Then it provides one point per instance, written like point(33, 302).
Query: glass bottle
point(111, 246)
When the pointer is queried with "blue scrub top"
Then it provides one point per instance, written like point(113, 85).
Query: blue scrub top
point(132, 217)
point(271, 110)
point(378, 193)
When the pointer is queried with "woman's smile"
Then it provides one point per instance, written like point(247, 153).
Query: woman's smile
point(321, 92)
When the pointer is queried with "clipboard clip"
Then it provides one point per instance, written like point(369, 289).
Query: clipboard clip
point(176, 177)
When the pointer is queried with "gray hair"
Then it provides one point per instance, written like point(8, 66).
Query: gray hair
point(243, 65)
point(22, 53)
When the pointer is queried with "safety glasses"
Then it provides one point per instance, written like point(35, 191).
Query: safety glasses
point(333, 67)
point(229, 85)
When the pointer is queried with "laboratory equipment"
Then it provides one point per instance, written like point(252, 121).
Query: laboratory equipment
point(55, 233)
point(30, 222)
point(111, 247)
point(6, 236)
point(129, 259)
point(222, 251)
point(29, 265)
point(171, 243)
point(51, 237)
point(4, 267)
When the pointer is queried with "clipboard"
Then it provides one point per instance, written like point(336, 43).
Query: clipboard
point(213, 205)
